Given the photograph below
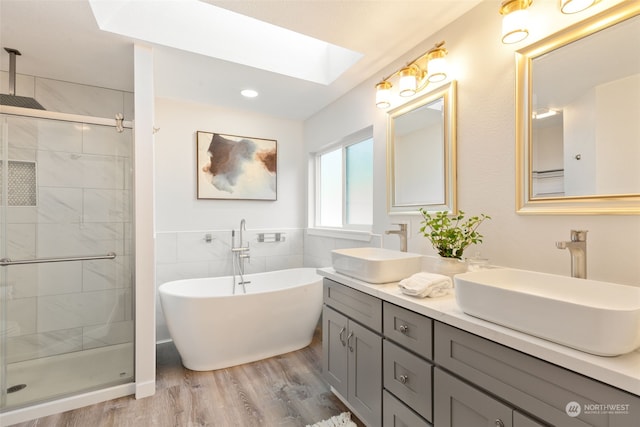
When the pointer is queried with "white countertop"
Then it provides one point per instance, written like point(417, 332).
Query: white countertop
point(622, 371)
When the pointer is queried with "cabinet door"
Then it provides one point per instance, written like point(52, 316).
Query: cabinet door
point(457, 404)
point(397, 414)
point(334, 349)
point(521, 420)
point(365, 373)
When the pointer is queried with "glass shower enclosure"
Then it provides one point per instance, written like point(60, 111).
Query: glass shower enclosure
point(66, 257)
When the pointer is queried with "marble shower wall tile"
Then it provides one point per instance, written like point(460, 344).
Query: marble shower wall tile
point(107, 274)
point(80, 239)
point(21, 315)
point(101, 140)
point(59, 278)
point(108, 334)
point(21, 241)
point(59, 205)
point(25, 84)
point(34, 346)
point(54, 135)
point(74, 98)
point(80, 309)
point(104, 205)
point(21, 281)
point(62, 169)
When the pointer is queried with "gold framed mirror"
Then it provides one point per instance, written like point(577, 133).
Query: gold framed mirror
point(421, 153)
point(577, 118)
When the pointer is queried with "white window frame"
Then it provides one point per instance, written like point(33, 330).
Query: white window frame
point(351, 231)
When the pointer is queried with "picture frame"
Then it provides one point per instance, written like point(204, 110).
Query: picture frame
point(232, 167)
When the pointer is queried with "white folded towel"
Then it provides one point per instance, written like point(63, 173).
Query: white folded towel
point(425, 284)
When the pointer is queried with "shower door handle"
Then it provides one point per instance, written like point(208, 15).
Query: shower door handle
point(6, 261)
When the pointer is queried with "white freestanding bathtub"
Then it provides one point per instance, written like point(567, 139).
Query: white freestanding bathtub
point(214, 329)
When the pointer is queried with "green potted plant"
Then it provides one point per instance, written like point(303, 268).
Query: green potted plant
point(451, 235)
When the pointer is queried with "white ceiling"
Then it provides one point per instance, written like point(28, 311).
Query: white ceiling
point(60, 39)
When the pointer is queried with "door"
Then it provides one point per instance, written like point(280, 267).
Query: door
point(365, 373)
point(67, 248)
point(334, 349)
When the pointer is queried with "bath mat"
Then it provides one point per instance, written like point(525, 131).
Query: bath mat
point(342, 420)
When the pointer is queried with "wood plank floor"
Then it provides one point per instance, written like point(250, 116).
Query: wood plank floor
point(283, 391)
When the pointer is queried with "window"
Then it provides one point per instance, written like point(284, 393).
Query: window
point(344, 185)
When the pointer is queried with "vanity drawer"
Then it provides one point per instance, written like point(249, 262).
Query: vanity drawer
point(408, 377)
point(409, 329)
point(397, 414)
point(361, 307)
point(533, 385)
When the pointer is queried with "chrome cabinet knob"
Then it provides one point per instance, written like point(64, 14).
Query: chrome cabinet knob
point(404, 379)
point(499, 423)
point(404, 329)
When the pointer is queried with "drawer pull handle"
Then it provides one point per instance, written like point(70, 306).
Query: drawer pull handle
point(404, 329)
point(499, 423)
point(342, 340)
point(405, 379)
point(349, 341)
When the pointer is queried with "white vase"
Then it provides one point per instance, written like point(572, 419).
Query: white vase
point(450, 266)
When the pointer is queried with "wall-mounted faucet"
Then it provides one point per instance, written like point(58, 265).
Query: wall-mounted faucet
point(578, 249)
point(402, 232)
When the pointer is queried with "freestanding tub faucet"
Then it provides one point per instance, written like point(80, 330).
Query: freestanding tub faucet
point(240, 255)
point(402, 232)
point(578, 249)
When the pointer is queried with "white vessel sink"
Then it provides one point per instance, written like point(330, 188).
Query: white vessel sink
point(596, 317)
point(376, 265)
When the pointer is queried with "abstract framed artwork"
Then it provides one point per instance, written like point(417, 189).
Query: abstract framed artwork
point(236, 167)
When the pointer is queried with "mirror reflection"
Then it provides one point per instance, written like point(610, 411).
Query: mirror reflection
point(420, 152)
point(585, 110)
point(578, 104)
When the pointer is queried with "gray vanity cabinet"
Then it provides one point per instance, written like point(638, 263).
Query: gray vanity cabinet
point(397, 368)
point(352, 353)
point(461, 405)
point(529, 384)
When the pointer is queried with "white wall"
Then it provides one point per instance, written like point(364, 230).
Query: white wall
point(485, 70)
point(617, 136)
point(182, 220)
point(178, 209)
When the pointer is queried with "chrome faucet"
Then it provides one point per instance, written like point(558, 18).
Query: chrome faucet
point(240, 254)
point(578, 249)
point(402, 232)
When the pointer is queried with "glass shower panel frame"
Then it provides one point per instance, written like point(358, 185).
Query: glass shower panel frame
point(67, 302)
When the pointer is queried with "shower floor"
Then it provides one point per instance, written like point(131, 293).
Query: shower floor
point(56, 376)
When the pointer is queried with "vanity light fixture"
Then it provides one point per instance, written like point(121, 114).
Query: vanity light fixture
point(515, 20)
point(575, 6)
point(429, 67)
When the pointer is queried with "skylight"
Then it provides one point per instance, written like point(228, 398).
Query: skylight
point(202, 28)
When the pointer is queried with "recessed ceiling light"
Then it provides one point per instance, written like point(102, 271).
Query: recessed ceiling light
point(249, 93)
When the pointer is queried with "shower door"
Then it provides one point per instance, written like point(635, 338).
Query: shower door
point(66, 249)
